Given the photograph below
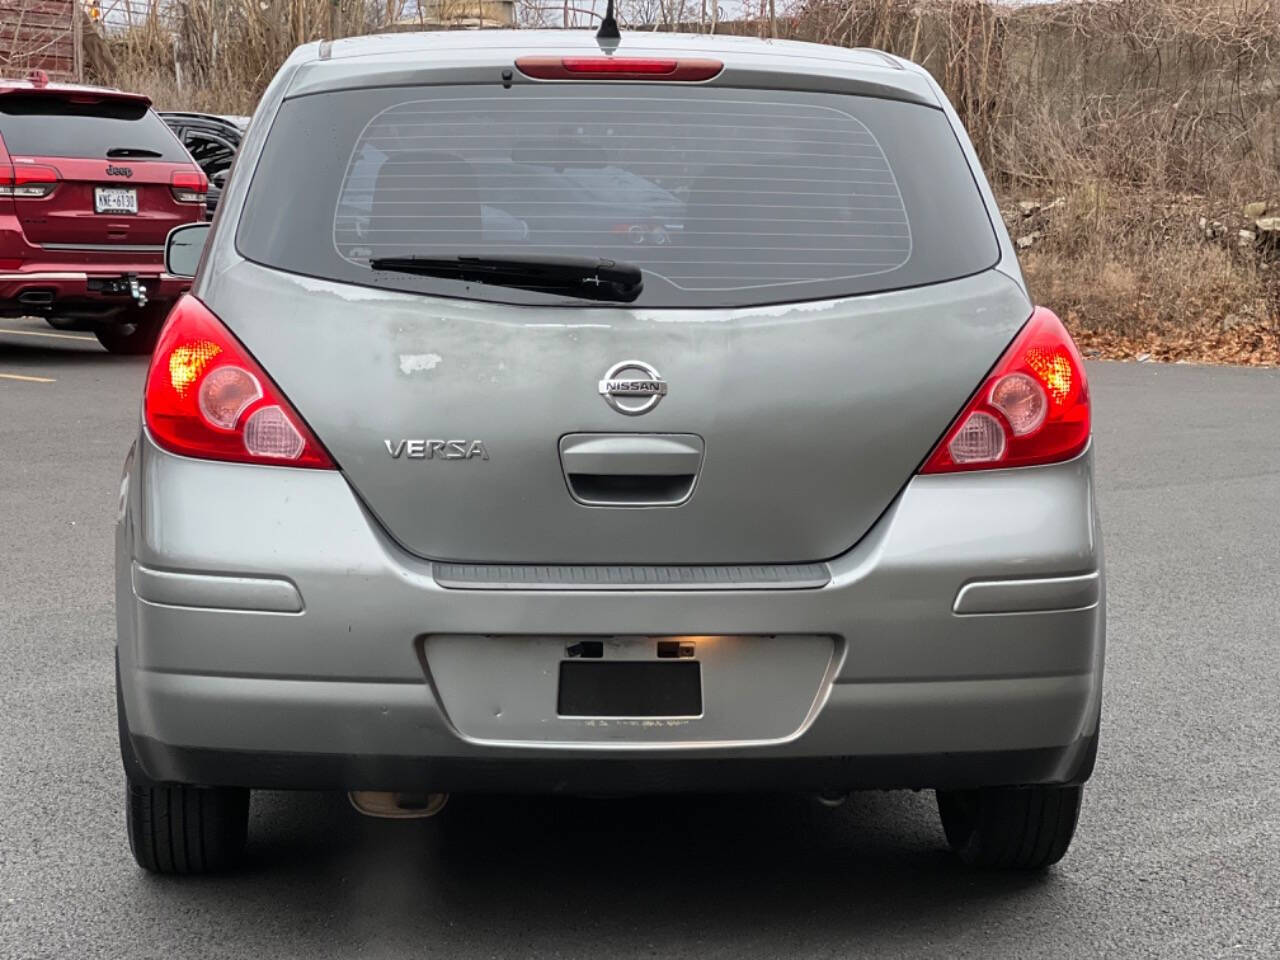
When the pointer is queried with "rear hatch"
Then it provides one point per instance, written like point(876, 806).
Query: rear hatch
point(99, 171)
point(818, 304)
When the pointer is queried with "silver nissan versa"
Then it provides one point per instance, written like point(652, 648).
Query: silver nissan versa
point(559, 413)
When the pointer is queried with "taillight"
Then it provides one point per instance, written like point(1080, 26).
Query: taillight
point(1033, 408)
point(207, 398)
point(189, 186)
point(618, 68)
point(30, 182)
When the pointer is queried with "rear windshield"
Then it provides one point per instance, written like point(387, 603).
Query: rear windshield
point(45, 126)
point(723, 197)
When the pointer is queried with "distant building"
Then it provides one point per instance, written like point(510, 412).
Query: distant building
point(40, 35)
point(457, 15)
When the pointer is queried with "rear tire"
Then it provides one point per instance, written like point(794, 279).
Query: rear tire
point(1010, 828)
point(177, 828)
point(136, 332)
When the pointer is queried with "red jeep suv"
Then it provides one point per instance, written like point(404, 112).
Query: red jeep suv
point(91, 183)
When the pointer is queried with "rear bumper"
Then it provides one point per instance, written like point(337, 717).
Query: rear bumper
point(270, 635)
point(317, 735)
point(578, 775)
point(49, 291)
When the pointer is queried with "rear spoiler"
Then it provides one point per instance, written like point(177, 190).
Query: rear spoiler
point(37, 84)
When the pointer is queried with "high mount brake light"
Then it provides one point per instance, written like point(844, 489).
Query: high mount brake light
point(613, 65)
point(207, 398)
point(1033, 408)
point(27, 181)
point(618, 68)
point(189, 186)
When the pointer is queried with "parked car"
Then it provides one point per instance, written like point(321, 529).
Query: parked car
point(800, 499)
point(91, 183)
point(213, 142)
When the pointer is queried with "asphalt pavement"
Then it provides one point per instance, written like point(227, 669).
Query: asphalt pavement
point(1177, 855)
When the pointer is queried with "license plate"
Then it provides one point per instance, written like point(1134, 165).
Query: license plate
point(630, 688)
point(115, 200)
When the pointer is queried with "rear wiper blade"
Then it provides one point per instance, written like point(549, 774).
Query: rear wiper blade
point(590, 278)
point(134, 152)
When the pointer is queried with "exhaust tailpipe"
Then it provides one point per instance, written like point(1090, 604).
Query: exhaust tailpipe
point(36, 297)
point(397, 806)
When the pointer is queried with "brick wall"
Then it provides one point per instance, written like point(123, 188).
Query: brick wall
point(39, 34)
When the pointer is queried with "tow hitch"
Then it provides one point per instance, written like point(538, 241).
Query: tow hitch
point(137, 291)
point(127, 285)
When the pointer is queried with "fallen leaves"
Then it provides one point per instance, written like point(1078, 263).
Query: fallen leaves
point(1244, 344)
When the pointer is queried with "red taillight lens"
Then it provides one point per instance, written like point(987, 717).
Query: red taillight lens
point(31, 182)
point(617, 65)
point(189, 186)
point(1033, 408)
point(207, 398)
point(618, 68)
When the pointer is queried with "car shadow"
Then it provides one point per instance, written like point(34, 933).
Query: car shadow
point(48, 353)
point(552, 869)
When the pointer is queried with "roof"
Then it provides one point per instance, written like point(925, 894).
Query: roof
point(401, 57)
point(213, 120)
point(574, 41)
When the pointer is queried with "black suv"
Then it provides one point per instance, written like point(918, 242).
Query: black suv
point(213, 142)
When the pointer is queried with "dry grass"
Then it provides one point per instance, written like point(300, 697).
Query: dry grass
point(219, 55)
point(1144, 115)
point(1132, 291)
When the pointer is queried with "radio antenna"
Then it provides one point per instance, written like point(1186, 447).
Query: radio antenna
point(608, 25)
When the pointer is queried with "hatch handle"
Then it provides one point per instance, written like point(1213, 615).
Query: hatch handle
point(631, 469)
point(633, 454)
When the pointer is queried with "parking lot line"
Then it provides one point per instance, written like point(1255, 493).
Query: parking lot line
point(18, 376)
point(43, 333)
